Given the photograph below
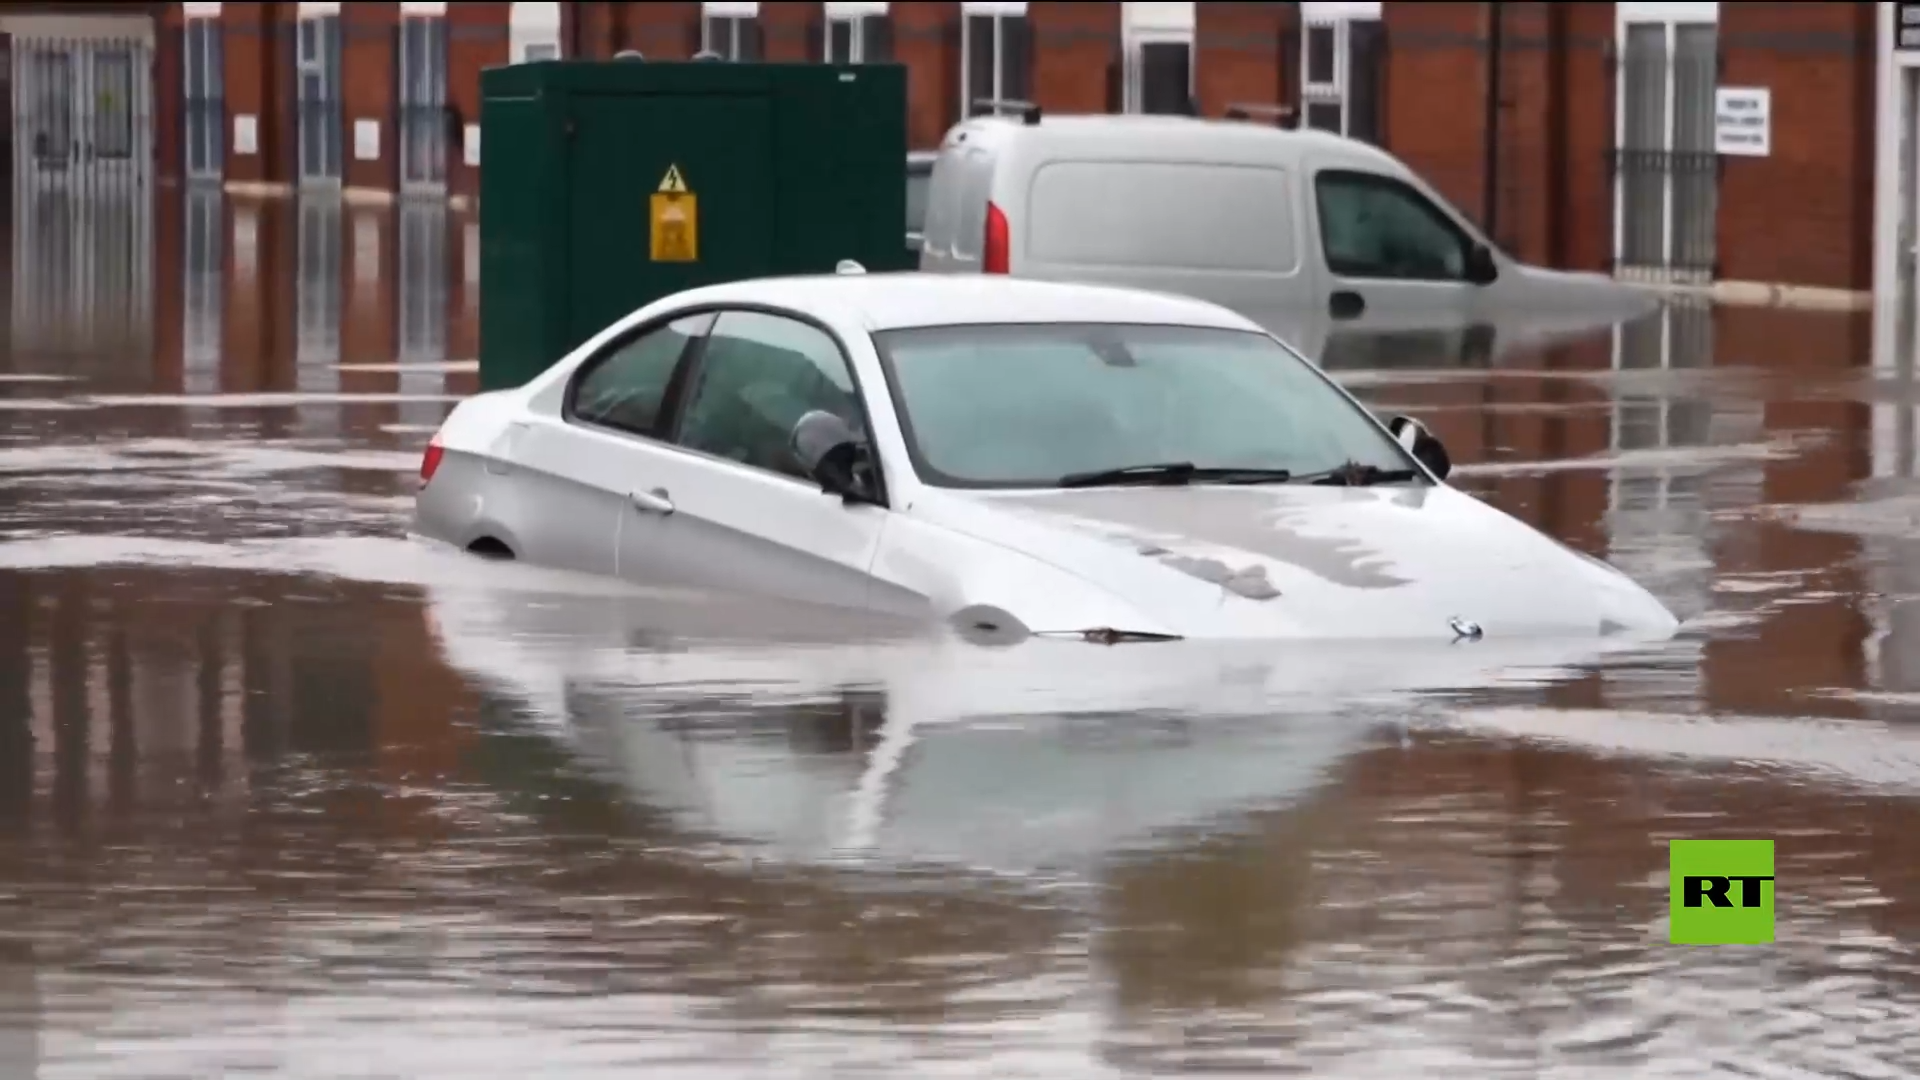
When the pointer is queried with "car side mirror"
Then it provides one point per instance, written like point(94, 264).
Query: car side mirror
point(835, 455)
point(1424, 445)
point(1481, 267)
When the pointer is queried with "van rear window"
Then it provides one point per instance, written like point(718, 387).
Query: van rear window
point(1236, 218)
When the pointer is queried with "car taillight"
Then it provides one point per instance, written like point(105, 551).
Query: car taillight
point(430, 460)
point(996, 249)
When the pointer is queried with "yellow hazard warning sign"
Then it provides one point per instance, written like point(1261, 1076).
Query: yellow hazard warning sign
point(675, 218)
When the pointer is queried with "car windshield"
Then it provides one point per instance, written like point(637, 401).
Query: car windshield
point(1026, 405)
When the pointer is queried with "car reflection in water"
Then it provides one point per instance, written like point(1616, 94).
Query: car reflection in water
point(812, 738)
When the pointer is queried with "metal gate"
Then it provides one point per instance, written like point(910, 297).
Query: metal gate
point(1666, 175)
point(423, 104)
point(322, 117)
point(81, 206)
point(204, 108)
point(82, 113)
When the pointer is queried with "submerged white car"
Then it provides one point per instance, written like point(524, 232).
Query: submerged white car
point(1015, 457)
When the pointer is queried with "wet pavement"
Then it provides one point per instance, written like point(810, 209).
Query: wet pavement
point(285, 794)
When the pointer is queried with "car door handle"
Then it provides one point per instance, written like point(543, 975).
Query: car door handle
point(1346, 305)
point(656, 501)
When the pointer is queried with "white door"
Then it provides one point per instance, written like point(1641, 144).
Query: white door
point(1666, 174)
point(82, 113)
point(423, 103)
point(725, 507)
point(322, 120)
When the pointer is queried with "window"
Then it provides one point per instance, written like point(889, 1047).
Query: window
point(321, 115)
point(423, 102)
point(997, 61)
point(626, 388)
point(759, 374)
point(113, 103)
point(733, 37)
point(1162, 79)
point(1377, 227)
point(919, 179)
point(1321, 56)
point(864, 37)
point(1023, 405)
point(1340, 62)
point(205, 105)
point(53, 109)
point(1139, 220)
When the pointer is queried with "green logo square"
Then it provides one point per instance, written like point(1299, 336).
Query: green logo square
point(1720, 892)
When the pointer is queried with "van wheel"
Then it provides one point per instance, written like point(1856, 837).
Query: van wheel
point(488, 548)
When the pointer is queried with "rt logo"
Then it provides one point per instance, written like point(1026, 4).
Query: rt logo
point(1721, 892)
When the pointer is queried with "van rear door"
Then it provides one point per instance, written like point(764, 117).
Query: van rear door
point(957, 210)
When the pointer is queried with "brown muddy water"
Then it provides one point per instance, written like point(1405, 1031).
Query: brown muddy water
point(284, 794)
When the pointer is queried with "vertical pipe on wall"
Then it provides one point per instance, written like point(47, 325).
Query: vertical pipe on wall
point(1490, 170)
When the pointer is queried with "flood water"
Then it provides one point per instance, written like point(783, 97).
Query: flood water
point(285, 794)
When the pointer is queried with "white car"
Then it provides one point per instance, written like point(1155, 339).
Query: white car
point(1015, 457)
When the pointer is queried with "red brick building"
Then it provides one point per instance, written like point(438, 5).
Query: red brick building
point(1581, 133)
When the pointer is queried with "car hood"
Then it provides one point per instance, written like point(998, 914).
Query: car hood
point(1305, 561)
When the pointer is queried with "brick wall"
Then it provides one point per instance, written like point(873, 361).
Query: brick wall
point(1244, 54)
point(1553, 201)
point(1803, 214)
point(476, 39)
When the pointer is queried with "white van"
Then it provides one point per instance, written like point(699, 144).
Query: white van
point(1311, 234)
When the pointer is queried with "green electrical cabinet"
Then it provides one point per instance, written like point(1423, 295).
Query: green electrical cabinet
point(605, 185)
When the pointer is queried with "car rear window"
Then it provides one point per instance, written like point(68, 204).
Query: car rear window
point(1163, 214)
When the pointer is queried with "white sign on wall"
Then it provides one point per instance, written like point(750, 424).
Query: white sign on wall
point(471, 140)
point(246, 134)
point(366, 140)
point(1743, 121)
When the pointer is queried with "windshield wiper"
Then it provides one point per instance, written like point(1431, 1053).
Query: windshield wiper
point(1174, 472)
point(1354, 474)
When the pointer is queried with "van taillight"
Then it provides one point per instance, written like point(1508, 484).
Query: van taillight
point(996, 247)
point(430, 460)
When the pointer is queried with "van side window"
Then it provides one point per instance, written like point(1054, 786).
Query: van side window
point(1374, 226)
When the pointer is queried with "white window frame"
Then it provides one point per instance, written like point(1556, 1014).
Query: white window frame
point(202, 64)
point(849, 14)
point(1153, 24)
point(327, 29)
point(999, 10)
point(1672, 16)
point(533, 32)
point(1337, 17)
point(737, 14)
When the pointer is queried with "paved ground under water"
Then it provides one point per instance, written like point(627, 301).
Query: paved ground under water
point(284, 794)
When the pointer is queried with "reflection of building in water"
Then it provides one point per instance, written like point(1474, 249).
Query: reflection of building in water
point(317, 300)
point(1893, 642)
point(203, 283)
point(132, 710)
point(19, 1012)
point(423, 310)
point(1658, 512)
point(82, 186)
